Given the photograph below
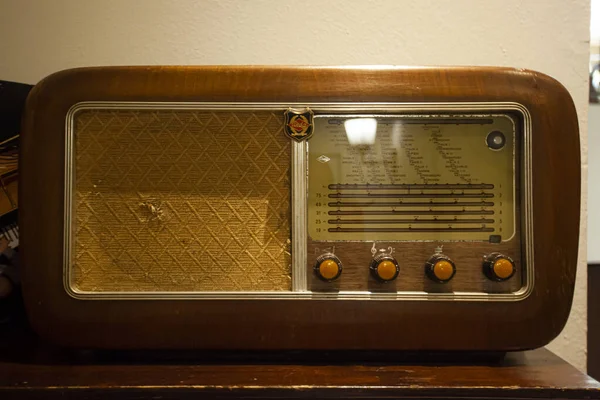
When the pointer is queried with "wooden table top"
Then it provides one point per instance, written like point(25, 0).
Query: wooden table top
point(30, 369)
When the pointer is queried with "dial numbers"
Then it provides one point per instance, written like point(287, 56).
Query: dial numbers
point(418, 178)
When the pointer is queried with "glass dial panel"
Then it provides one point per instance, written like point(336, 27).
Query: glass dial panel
point(412, 177)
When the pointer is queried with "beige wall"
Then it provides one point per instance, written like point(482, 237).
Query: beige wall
point(39, 37)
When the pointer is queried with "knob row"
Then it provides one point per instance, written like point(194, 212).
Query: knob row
point(439, 268)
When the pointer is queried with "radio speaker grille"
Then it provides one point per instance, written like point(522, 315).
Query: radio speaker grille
point(180, 200)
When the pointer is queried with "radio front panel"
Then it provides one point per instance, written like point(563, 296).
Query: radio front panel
point(391, 201)
point(299, 208)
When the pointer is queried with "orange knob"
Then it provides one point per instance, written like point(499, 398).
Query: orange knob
point(443, 270)
point(328, 267)
point(440, 268)
point(498, 267)
point(385, 268)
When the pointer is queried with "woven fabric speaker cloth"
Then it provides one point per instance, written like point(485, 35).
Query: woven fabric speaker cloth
point(179, 200)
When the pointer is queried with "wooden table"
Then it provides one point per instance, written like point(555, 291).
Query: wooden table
point(30, 369)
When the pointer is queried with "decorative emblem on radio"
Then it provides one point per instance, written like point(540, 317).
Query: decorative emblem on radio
point(299, 123)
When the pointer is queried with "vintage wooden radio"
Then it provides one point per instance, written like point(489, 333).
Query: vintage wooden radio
point(374, 208)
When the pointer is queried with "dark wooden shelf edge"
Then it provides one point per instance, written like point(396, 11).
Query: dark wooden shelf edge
point(33, 369)
point(300, 392)
point(537, 374)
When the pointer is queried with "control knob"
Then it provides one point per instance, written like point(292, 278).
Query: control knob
point(498, 267)
point(328, 267)
point(384, 268)
point(440, 268)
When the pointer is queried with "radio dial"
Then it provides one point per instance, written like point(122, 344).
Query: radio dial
point(328, 267)
point(498, 267)
point(440, 268)
point(385, 268)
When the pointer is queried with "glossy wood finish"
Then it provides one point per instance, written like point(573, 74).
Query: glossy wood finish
point(302, 324)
